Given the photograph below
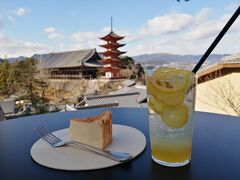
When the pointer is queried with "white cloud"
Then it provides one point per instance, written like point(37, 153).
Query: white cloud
point(236, 24)
point(174, 22)
point(84, 36)
point(203, 31)
point(21, 11)
point(62, 45)
point(202, 16)
point(55, 36)
point(92, 39)
point(170, 44)
point(84, 40)
point(53, 33)
point(50, 30)
point(209, 28)
point(15, 48)
point(169, 23)
point(174, 32)
point(191, 37)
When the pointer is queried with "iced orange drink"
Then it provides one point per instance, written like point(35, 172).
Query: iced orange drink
point(171, 96)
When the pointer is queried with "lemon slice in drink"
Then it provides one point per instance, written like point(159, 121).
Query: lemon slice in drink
point(164, 97)
point(175, 116)
point(155, 105)
point(170, 80)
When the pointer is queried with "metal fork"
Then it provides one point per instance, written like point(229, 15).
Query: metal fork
point(54, 141)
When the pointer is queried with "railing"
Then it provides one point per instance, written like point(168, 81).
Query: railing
point(68, 76)
point(107, 105)
point(65, 76)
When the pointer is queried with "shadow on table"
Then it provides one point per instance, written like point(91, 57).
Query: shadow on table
point(164, 172)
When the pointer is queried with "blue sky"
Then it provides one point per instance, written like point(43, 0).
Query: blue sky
point(150, 26)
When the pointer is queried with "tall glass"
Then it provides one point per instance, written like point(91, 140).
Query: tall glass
point(171, 99)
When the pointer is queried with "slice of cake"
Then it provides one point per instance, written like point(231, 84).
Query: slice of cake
point(94, 131)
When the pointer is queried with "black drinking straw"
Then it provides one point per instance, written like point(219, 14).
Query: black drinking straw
point(216, 41)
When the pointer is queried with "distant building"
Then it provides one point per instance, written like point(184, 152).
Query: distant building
point(129, 86)
point(228, 65)
point(218, 88)
point(70, 65)
point(8, 106)
point(112, 64)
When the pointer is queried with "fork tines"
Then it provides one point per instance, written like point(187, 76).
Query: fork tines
point(46, 135)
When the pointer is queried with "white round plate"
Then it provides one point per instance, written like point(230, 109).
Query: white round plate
point(125, 139)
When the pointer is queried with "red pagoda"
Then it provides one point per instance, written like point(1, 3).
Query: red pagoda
point(112, 64)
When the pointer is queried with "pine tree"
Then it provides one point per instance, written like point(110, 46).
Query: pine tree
point(5, 78)
point(26, 82)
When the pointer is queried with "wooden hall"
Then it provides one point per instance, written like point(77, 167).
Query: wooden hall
point(70, 65)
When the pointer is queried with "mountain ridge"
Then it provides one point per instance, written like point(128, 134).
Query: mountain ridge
point(160, 58)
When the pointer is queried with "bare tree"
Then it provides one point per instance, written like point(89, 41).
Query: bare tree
point(43, 72)
point(222, 94)
point(42, 75)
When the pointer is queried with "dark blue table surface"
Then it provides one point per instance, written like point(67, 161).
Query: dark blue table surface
point(216, 148)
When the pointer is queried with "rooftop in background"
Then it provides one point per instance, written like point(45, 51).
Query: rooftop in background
point(8, 106)
point(235, 58)
point(86, 57)
point(228, 65)
point(129, 86)
point(128, 83)
point(123, 100)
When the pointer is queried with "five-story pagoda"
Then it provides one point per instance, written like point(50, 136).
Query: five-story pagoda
point(112, 64)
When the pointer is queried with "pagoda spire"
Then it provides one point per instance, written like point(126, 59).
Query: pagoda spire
point(111, 25)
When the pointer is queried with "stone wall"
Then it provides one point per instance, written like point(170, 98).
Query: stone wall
point(76, 88)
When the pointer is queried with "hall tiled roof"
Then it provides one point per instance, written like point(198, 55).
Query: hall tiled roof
point(87, 57)
point(123, 100)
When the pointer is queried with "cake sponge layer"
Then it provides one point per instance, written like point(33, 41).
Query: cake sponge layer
point(94, 131)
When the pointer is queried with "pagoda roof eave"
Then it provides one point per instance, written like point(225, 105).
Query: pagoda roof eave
point(110, 59)
point(112, 45)
point(111, 67)
point(113, 52)
point(112, 35)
